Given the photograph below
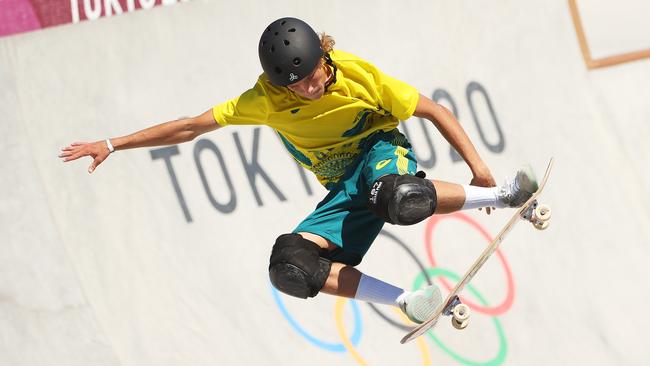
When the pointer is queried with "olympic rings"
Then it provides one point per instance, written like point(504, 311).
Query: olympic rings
point(428, 240)
point(340, 326)
point(328, 346)
point(503, 346)
point(349, 344)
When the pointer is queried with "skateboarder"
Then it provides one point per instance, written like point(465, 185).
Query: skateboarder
point(337, 115)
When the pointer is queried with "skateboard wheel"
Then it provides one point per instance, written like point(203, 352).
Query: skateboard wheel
point(459, 325)
point(461, 313)
point(542, 213)
point(542, 225)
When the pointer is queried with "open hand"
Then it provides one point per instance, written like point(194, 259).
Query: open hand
point(97, 150)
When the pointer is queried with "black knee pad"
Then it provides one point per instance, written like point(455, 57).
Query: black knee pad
point(403, 199)
point(296, 267)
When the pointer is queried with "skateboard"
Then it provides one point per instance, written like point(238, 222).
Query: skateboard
point(537, 214)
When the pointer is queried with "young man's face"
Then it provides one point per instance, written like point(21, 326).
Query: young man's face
point(313, 86)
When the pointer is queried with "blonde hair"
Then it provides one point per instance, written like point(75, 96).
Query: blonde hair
point(326, 42)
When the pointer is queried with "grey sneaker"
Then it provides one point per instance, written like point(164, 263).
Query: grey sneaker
point(421, 304)
point(516, 192)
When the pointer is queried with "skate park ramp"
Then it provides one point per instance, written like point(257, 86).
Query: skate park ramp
point(160, 257)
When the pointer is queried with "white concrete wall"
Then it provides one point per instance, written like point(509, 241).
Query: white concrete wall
point(109, 269)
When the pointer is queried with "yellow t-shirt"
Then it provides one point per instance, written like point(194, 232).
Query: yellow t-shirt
point(324, 135)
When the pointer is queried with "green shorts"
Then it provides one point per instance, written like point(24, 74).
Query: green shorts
point(343, 217)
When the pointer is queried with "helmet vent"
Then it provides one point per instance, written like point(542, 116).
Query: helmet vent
point(286, 43)
point(276, 33)
point(292, 30)
point(297, 61)
point(272, 48)
point(278, 70)
point(263, 43)
point(283, 22)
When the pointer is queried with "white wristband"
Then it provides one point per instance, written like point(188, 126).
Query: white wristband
point(110, 146)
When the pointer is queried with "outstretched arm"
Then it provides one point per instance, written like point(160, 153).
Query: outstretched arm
point(168, 133)
point(454, 133)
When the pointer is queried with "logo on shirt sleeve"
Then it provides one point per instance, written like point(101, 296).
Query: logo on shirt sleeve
point(382, 164)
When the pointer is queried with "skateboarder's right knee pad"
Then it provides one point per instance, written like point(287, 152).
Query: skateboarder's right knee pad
point(403, 199)
point(296, 267)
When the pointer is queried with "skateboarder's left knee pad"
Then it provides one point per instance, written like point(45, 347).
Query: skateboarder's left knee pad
point(296, 267)
point(402, 199)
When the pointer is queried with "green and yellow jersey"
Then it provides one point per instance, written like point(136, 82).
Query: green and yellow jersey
point(327, 134)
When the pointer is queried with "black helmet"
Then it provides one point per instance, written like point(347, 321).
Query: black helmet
point(289, 51)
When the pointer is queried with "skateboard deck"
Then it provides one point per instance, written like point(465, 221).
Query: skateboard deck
point(530, 211)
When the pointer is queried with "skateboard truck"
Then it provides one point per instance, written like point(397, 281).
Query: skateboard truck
point(459, 313)
point(538, 214)
point(449, 308)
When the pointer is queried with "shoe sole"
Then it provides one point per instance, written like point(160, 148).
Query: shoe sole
point(432, 300)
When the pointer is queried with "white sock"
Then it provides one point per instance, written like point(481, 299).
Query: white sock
point(401, 298)
point(377, 291)
point(476, 197)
